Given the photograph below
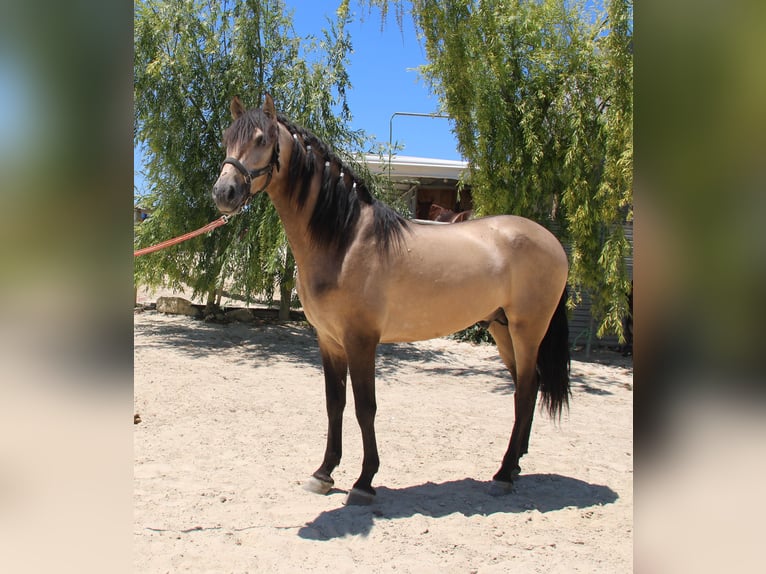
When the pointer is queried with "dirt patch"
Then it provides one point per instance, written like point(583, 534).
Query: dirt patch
point(232, 421)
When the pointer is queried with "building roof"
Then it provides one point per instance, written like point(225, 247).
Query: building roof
point(403, 167)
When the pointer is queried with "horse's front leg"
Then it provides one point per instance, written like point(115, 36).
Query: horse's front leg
point(361, 362)
point(335, 370)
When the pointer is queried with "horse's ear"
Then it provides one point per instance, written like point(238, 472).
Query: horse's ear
point(268, 107)
point(236, 107)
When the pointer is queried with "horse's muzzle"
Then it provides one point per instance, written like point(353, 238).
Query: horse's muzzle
point(229, 194)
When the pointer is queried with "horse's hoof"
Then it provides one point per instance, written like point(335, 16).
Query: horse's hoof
point(358, 497)
point(313, 484)
point(500, 488)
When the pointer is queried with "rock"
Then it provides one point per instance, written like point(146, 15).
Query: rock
point(177, 306)
point(215, 318)
point(241, 315)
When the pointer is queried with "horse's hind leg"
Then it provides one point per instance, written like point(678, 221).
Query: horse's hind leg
point(502, 337)
point(524, 347)
point(335, 371)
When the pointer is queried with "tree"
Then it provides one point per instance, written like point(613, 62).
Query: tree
point(541, 95)
point(191, 57)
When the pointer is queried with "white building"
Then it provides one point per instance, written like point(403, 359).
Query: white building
point(425, 181)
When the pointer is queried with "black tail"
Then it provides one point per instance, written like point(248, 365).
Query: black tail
point(553, 361)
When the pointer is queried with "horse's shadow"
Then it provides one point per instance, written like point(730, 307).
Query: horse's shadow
point(469, 497)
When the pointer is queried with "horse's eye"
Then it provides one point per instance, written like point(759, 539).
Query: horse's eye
point(259, 140)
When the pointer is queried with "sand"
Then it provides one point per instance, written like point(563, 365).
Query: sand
point(232, 422)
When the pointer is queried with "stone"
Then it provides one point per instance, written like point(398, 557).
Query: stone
point(177, 306)
point(241, 315)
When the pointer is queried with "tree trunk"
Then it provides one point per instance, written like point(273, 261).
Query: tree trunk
point(286, 284)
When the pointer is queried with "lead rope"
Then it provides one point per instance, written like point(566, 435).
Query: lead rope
point(223, 220)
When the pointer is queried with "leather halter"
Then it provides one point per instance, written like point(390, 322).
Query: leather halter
point(251, 174)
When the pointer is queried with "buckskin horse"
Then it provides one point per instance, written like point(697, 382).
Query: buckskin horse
point(368, 276)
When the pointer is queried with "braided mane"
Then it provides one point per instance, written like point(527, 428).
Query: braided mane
point(342, 192)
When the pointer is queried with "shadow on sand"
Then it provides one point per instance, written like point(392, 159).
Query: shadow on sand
point(469, 497)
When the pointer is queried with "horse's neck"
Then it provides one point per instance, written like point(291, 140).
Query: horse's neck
point(312, 261)
point(294, 220)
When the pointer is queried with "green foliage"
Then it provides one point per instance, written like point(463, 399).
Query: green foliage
point(191, 57)
point(541, 94)
point(474, 334)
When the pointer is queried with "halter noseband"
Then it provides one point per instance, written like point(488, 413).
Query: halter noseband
point(251, 174)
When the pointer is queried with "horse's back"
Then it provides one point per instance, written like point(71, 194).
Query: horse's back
point(445, 278)
point(508, 240)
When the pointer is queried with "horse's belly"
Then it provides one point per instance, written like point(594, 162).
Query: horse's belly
point(437, 312)
point(410, 331)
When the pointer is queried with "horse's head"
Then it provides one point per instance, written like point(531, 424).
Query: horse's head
point(252, 150)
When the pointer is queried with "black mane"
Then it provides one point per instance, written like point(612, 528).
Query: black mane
point(341, 195)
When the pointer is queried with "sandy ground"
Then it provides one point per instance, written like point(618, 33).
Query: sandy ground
point(233, 421)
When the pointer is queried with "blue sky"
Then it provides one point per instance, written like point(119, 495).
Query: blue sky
point(383, 78)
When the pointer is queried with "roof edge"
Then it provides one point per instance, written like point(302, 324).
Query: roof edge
point(411, 166)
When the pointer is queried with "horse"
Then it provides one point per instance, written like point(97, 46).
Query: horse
point(442, 214)
point(368, 276)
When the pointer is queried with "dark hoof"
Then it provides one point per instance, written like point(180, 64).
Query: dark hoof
point(503, 476)
point(500, 488)
point(358, 497)
point(313, 484)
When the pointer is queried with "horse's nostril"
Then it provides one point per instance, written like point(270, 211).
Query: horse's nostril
point(224, 192)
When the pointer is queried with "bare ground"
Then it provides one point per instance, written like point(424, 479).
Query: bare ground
point(232, 422)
